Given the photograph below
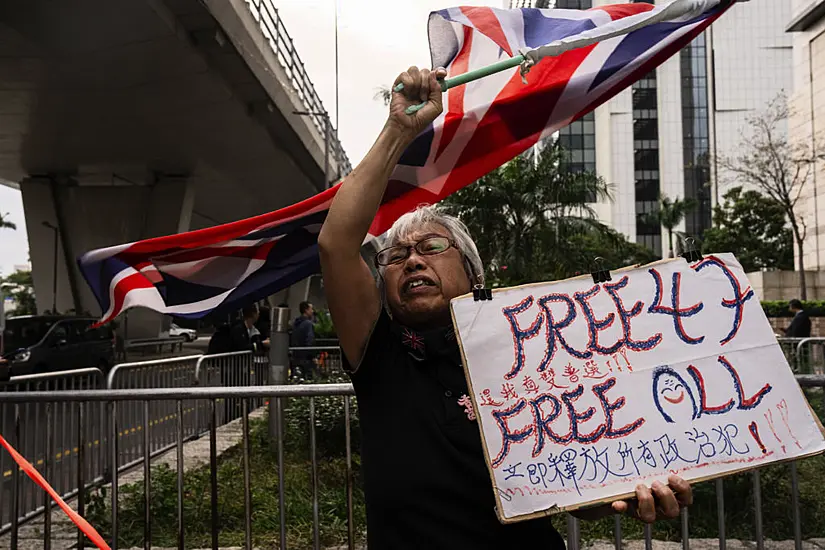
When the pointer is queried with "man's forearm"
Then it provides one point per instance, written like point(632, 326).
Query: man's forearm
point(359, 197)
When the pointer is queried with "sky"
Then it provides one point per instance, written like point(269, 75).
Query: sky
point(376, 41)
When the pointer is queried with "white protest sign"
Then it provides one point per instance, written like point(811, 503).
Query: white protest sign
point(585, 390)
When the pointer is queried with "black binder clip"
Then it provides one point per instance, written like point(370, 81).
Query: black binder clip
point(600, 274)
point(481, 293)
point(691, 254)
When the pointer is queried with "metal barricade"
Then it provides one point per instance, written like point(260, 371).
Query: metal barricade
point(788, 346)
point(278, 394)
point(65, 441)
point(234, 369)
point(132, 443)
point(810, 356)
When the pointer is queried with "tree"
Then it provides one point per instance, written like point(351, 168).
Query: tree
point(20, 287)
point(383, 94)
point(5, 223)
point(754, 227)
point(532, 222)
point(669, 215)
point(770, 163)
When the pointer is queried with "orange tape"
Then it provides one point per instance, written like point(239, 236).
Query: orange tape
point(35, 476)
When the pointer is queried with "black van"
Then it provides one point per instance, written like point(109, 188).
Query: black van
point(38, 344)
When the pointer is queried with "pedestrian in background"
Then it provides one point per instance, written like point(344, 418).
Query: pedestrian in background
point(303, 336)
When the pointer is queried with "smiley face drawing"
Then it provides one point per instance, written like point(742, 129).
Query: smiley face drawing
point(672, 396)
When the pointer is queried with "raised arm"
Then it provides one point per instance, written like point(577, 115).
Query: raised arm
point(351, 291)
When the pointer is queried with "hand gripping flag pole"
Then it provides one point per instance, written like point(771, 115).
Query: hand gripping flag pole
point(674, 11)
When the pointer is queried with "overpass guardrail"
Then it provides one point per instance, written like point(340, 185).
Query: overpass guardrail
point(273, 29)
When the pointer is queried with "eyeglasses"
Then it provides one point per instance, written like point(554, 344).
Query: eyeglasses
point(425, 247)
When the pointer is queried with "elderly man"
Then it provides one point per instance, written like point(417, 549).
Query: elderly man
point(425, 478)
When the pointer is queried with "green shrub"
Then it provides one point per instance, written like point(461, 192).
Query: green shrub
point(779, 308)
point(323, 325)
point(330, 423)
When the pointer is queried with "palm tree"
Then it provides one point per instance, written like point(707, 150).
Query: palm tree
point(383, 94)
point(4, 223)
point(533, 221)
point(671, 212)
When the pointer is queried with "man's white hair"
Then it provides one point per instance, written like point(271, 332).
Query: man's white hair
point(413, 221)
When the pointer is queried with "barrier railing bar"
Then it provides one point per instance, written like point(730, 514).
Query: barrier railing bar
point(617, 532)
point(190, 393)
point(117, 369)
point(757, 509)
point(316, 532)
point(797, 521)
point(181, 536)
point(113, 439)
point(81, 481)
point(147, 482)
point(573, 534)
point(247, 488)
point(685, 530)
point(204, 358)
point(348, 443)
point(15, 482)
point(213, 471)
point(279, 433)
point(47, 466)
point(648, 530)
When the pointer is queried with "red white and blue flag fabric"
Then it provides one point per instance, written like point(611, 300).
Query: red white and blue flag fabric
point(485, 124)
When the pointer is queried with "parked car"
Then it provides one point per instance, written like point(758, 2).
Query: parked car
point(190, 335)
point(38, 344)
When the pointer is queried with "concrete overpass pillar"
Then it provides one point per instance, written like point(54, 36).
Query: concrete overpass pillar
point(91, 215)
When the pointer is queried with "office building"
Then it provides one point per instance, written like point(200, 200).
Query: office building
point(807, 102)
point(662, 136)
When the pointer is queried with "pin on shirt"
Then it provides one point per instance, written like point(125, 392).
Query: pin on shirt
point(467, 403)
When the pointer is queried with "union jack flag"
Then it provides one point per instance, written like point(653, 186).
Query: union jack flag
point(485, 124)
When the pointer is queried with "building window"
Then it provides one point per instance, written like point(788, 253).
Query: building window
point(695, 130)
point(646, 161)
point(579, 141)
point(572, 4)
point(579, 138)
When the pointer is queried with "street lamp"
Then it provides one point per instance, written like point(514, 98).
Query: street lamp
point(54, 270)
point(326, 140)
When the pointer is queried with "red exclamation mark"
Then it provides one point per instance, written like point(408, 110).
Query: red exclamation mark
point(754, 429)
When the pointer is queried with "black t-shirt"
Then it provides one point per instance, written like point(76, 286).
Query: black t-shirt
point(425, 478)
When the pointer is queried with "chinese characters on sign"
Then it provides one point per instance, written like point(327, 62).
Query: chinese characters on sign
point(585, 390)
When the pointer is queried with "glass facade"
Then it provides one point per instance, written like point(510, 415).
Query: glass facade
point(646, 161)
point(695, 135)
point(570, 4)
point(579, 138)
